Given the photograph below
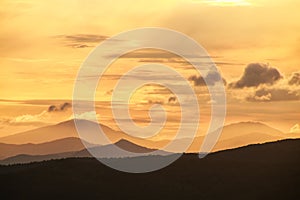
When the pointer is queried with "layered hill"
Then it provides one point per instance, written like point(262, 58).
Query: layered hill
point(233, 135)
point(120, 149)
point(57, 146)
point(266, 171)
point(59, 131)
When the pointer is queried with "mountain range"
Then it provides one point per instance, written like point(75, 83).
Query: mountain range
point(40, 152)
point(61, 141)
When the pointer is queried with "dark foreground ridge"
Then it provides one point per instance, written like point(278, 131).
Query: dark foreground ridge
point(267, 171)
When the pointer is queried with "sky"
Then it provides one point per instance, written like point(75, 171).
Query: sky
point(254, 43)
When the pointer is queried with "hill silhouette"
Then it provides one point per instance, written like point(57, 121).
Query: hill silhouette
point(265, 171)
point(71, 144)
point(60, 131)
point(233, 136)
point(100, 151)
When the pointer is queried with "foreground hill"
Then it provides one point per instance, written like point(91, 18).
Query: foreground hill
point(267, 171)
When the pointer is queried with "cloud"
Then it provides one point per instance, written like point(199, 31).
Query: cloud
point(150, 101)
point(295, 79)
point(212, 78)
point(153, 60)
point(28, 119)
point(63, 107)
point(53, 114)
point(176, 59)
point(86, 115)
point(89, 38)
point(80, 40)
point(256, 74)
point(198, 80)
point(274, 94)
point(150, 55)
point(295, 129)
point(262, 83)
point(169, 100)
point(172, 99)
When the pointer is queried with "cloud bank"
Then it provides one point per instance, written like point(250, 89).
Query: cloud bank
point(260, 82)
point(54, 114)
point(274, 94)
point(256, 74)
point(80, 40)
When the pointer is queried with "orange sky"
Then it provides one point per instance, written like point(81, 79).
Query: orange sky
point(43, 44)
point(34, 53)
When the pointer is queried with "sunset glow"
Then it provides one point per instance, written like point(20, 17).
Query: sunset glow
point(41, 52)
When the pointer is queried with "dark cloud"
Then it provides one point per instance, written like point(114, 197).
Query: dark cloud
point(80, 40)
point(146, 54)
point(157, 89)
point(256, 74)
point(78, 46)
point(295, 79)
point(184, 62)
point(274, 94)
point(149, 60)
point(63, 107)
point(155, 102)
point(52, 108)
point(83, 38)
point(198, 80)
point(212, 78)
point(172, 99)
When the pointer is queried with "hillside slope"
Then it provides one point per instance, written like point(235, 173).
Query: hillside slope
point(268, 171)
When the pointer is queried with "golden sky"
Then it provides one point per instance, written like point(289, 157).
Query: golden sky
point(43, 44)
point(36, 51)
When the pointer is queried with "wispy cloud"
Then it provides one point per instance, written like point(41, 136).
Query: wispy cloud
point(80, 40)
point(54, 114)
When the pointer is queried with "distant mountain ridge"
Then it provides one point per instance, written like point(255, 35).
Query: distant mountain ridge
point(239, 134)
point(53, 147)
point(58, 131)
point(233, 135)
point(230, 130)
point(105, 151)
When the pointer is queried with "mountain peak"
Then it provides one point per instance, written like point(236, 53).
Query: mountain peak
point(124, 142)
point(252, 124)
point(132, 147)
point(71, 122)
